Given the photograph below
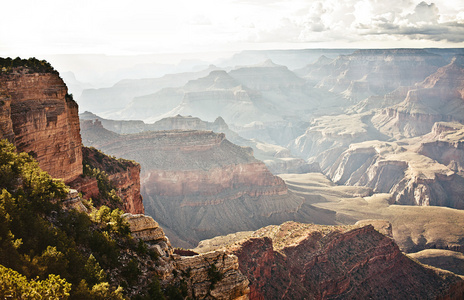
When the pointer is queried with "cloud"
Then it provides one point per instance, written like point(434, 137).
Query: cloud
point(360, 20)
point(422, 24)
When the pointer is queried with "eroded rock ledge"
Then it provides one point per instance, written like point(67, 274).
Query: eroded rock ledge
point(212, 275)
point(306, 261)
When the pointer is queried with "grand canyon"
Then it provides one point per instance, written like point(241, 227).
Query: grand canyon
point(285, 174)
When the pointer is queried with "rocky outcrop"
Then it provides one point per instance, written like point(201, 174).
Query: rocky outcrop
point(374, 72)
point(438, 98)
point(213, 275)
point(121, 175)
point(415, 173)
point(44, 120)
point(148, 230)
point(197, 184)
point(327, 137)
point(296, 261)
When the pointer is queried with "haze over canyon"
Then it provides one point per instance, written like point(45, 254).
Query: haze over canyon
point(277, 174)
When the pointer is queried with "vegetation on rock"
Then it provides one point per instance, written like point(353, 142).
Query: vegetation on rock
point(33, 65)
point(46, 248)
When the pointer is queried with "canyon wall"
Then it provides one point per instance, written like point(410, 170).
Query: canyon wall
point(306, 261)
point(213, 275)
point(438, 98)
point(39, 116)
point(422, 171)
point(44, 119)
point(197, 184)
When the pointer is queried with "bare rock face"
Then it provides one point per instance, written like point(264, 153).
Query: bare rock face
point(422, 171)
point(328, 136)
point(197, 184)
point(374, 72)
point(6, 124)
point(305, 261)
point(44, 119)
point(213, 275)
point(148, 230)
point(123, 175)
point(438, 98)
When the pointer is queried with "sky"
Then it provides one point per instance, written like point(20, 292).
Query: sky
point(129, 27)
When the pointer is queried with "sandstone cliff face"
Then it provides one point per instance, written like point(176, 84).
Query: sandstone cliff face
point(414, 172)
point(438, 98)
point(44, 119)
point(123, 176)
point(198, 185)
point(213, 275)
point(304, 261)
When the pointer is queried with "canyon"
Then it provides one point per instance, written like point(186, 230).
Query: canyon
point(40, 118)
point(197, 184)
point(381, 163)
point(296, 261)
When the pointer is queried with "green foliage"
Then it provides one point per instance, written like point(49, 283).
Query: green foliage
point(105, 187)
point(16, 286)
point(94, 273)
point(45, 247)
point(131, 271)
point(100, 291)
point(111, 220)
point(52, 261)
point(33, 64)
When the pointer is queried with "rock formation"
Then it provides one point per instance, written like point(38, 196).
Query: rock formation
point(296, 261)
point(438, 98)
point(197, 184)
point(277, 158)
point(40, 118)
point(123, 176)
point(328, 136)
point(403, 170)
point(374, 72)
point(213, 275)
point(36, 107)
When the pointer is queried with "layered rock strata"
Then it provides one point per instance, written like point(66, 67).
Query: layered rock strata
point(44, 120)
point(213, 275)
point(422, 171)
point(373, 71)
point(123, 176)
point(277, 158)
point(197, 184)
point(297, 261)
point(438, 98)
point(40, 118)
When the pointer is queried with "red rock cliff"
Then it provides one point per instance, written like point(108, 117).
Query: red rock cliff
point(44, 120)
point(123, 176)
point(40, 118)
point(305, 261)
point(197, 184)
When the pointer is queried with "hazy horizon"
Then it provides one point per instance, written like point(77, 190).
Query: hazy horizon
point(116, 28)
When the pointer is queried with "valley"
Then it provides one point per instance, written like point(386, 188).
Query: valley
point(323, 169)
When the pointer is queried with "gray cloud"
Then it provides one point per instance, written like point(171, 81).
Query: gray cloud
point(423, 23)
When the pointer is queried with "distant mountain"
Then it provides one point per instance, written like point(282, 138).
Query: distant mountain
point(438, 98)
point(121, 94)
point(277, 158)
point(373, 72)
point(293, 59)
